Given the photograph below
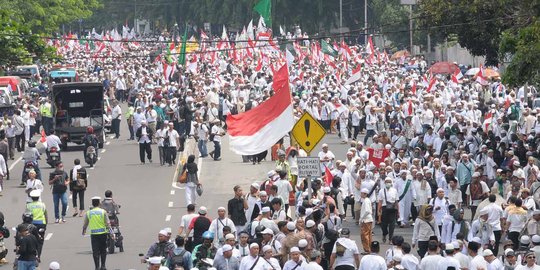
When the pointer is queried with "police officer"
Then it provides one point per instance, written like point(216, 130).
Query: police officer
point(39, 213)
point(97, 221)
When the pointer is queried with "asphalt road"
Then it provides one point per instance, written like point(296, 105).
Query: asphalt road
point(150, 200)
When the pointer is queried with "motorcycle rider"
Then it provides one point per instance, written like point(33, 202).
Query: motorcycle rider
point(27, 220)
point(204, 250)
point(39, 216)
point(52, 141)
point(90, 139)
point(110, 206)
point(31, 154)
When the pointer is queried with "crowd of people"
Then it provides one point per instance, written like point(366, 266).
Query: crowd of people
point(428, 152)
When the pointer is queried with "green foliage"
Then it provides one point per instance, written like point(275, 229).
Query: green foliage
point(478, 24)
point(18, 45)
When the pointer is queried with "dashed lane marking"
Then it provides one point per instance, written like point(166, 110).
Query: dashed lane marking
point(15, 163)
point(171, 204)
point(172, 192)
point(168, 218)
point(48, 237)
point(107, 143)
point(103, 150)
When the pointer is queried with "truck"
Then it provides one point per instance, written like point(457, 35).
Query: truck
point(77, 106)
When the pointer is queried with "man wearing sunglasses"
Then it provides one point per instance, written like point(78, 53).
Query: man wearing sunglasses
point(530, 262)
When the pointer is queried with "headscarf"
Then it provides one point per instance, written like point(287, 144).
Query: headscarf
point(424, 213)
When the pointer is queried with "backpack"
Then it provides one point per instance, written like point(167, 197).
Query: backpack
point(80, 183)
point(178, 260)
point(340, 249)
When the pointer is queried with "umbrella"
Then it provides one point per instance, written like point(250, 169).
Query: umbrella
point(443, 68)
point(472, 71)
point(491, 73)
point(399, 54)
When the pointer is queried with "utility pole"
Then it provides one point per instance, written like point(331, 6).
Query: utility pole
point(341, 18)
point(411, 28)
point(365, 22)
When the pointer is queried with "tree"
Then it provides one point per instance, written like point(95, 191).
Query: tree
point(521, 44)
point(478, 24)
point(18, 45)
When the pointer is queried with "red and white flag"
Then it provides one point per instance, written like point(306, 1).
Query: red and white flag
point(356, 75)
point(431, 84)
point(487, 121)
point(369, 48)
point(480, 78)
point(256, 130)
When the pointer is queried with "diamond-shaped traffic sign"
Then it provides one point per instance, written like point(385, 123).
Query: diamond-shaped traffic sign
point(308, 132)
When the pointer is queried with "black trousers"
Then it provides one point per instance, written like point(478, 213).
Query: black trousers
point(80, 194)
point(20, 141)
point(145, 147)
point(498, 235)
point(355, 132)
point(99, 249)
point(115, 126)
point(463, 189)
point(422, 248)
point(388, 222)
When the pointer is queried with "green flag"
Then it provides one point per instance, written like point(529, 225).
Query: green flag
point(264, 7)
point(182, 57)
point(328, 49)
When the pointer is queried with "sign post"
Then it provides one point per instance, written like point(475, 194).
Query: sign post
point(307, 133)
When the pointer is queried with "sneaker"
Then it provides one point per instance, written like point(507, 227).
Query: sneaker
point(150, 160)
point(63, 220)
point(57, 220)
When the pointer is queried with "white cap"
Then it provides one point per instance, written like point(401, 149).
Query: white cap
point(203, 210)
point(484, 211)
point(291, 226)
point(266, 248)
point(35, 193)
point(310, 223)
point(253, 245)
point(302, 243)
point(263, 193)
point(449, 247)
point(477, 239)
point(265, 209)
point(229, 236)
point(96, 198)
point(226, 248)
point(294, 249)
point(268, 231)
point(364, 190)
point(256, 186)
point(54, 266)
point(271, 173)
point(163, 232)
point(487, 252)
point(155, 260)
point(476, 174)
point(535, 238)
point(525, 240)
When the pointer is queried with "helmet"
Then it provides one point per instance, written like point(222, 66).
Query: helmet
point(27, 217)
point(32, 143)
point(208, 235)
point(259, 229)
point(90, 130)
point(108, 194)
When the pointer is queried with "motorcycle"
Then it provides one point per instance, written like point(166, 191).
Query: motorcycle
point(28, 166)
point(115, 238)
point(4, 233)
point(53, 157)
point(91, 156)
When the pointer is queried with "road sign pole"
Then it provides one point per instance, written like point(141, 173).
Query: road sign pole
point(309, 183)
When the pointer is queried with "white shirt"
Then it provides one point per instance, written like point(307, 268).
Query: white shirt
point(496, 264)
point(173, 136)
point(447, 262)
point(525, 267)
point(409, 262)
point(247, 262)
point(372, 262)
point(494, 216)
point(184, 223)
point(351, 249)
point(284, 188)
point(430, 262)
point(391, 195)
point(53, 141)
point(217, 131)
point(116, 112)
point(327, 164)
point(478, 262)
point(289, 265)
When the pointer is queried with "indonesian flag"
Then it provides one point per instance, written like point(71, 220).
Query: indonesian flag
point(377, 156)
point(259, 64)
point(487, 121)
point(413, 88)
point(480, 77)
point(256, 130)
point(357, 74)
point(328, 177)
point(369, 48)
point(431, 83)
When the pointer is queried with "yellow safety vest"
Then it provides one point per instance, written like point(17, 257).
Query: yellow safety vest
point(38, 211)
point(45, 110)
point(96, 221)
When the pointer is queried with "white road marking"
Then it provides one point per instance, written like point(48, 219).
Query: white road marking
point(199, 165)
point(48, 237)
point(172, 192)
point(171, 204)
point(103, 150)
point(168, 218)
point(15, 163)
point(176, 185)
point(107, 143)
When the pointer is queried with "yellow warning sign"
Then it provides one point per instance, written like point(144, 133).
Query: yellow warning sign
point(308, 132)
